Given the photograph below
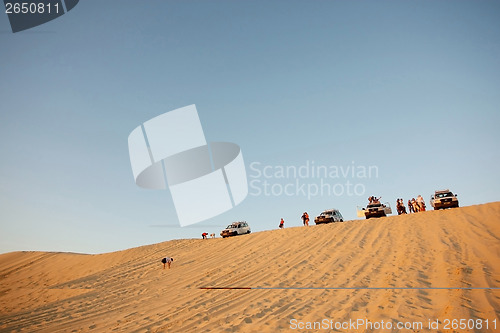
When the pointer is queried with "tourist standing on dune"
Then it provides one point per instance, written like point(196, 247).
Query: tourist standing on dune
point(410, 206)
point(400, 207)
point(305, 219)
point(168, 261)
point(282, 224)
point(415, 205)
point(421, 203)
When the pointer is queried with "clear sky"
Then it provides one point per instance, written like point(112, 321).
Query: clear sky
point(409, 88)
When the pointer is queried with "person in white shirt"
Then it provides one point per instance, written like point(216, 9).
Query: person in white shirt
point(421, 203)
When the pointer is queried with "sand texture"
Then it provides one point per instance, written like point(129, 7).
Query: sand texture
point(333, 271)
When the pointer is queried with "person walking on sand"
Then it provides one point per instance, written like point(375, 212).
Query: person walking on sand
point(305, 219)
point(282, 223)
point(168, 261)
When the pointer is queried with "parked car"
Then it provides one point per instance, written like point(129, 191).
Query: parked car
point(444, 199)
point(236, 228)
point(329, 216)
point(375, 210)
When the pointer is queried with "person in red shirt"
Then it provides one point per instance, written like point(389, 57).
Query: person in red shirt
point(305, 219)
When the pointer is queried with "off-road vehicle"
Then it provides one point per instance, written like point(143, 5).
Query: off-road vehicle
point(375, 210)
point(236, 228)
point(444, 199)
point(328, 216)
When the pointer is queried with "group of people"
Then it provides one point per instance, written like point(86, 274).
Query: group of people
point(414, 205)
point(373, 200)
point(304, 217)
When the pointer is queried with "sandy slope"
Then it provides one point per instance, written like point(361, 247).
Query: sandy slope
point(128, 291)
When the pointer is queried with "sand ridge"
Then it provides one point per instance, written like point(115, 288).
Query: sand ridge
point(324, 266)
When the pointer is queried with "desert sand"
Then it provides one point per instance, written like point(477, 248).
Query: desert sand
point(378, 270)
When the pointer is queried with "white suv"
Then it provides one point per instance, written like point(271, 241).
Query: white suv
point(444, 199)
point(236, 228)
point(331, 215)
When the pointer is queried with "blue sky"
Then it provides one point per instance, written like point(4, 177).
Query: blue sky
point(411, 87)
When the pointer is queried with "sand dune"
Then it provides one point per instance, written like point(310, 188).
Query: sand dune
point(337, 272)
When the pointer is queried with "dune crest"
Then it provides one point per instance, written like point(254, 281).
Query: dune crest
point(387, 269)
